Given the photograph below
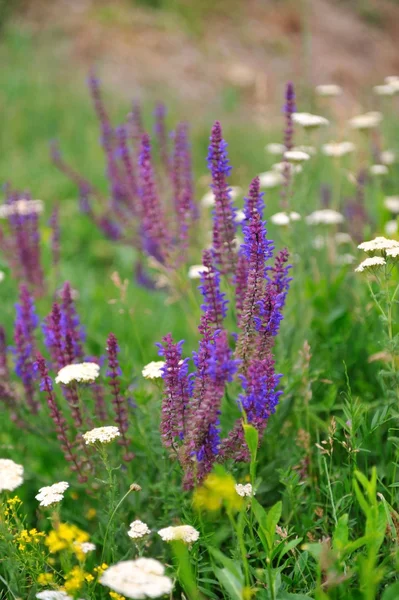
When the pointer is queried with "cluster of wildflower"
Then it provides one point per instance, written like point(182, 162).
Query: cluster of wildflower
point(388, 249)
point(140, 578)
point(190, 423)
point(155, 221)
point(20, 238)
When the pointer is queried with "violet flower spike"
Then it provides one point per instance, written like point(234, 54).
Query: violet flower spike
point(161, 134)
point(289, 109)
point(56, 415)
point(121, 414)
point(155, 233)
point(177, 391)
point(55, 235)
point(70, 322)
point(224, 225)
point(215, 303)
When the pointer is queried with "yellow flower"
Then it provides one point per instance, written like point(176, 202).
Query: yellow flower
point(91, 513)
point(248, 593)
point(45, 578)
point(100, 569)
point(28, 537)
point(116, 596)
point(13, 501)
point(64, 538)
point(75, 580)
point(217, 490)
point(89, 577)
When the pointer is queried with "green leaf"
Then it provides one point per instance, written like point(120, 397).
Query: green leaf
point(391, 593)
point(185, 572)
point(272, 519)
point(361, 499)
point(341, 534)
point(267, 522)
point(231, 584)
point(252, 439)
point(229, 564)
point(289, 546)
point(283, 595)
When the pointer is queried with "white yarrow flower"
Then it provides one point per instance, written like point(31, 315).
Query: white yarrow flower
point(309, 121)
point(367, 121)
point(53, 595)
point(393, 252)
point(86, 372)
point(386, 89)
point(52, 494)
point(391, 227)
point(21, 207)
point(153, 370)
point(274, 148)
point(378, 243)
point(281, 167)
point(102, 435)
point(244, 490)
point(345, 259)
point(282, 218)
point(270, 179)
point(11, 475)
point(185, 533)
point(343, 238)
point(369, 263)
point(85, 547)
point(387, 157)
point(328, 90)
point(325, 216)
point(138, 529)
point(296, 156)
point(140, 578)
point(337, 149)
point(378, 170)
point(392, 80)
point(392, 204)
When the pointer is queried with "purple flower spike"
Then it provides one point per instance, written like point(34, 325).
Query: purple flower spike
point(260, 396)
point(257, 249)
point(25, 324)
point(161, 134)
point(70, 322)
point(182, 187)
point(55, 235)
point(131, 179)
point(175, 376)
point(113, 373)
point(215, 303)
point(224, 227)
point(153, 220)
point(61, 427)
point(289, 109)
point(240, 282)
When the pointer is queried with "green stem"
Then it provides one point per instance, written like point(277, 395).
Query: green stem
point(110, 521)
point(330, 491)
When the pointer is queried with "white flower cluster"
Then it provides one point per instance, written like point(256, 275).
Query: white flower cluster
point(140, 578)
point(282, 218)
point(274, 148)
point(53, 595)
point(244, 490)
point(296, 156)
point(369, 120)
point(138, 529)
point(372, 261)
point(378, 243)
point(389, 87)
point(85, 372)
point(309, 121)
point(11, 475)
point(153, 370)
point(378, 170)
point(392, 204)
point(325, 216)
point(102, 435)
point(390, 248)
point(194, 272)
point(21, 207)
point(337, 149)
point(85, 547)
point(282, 167)
point(185, 533)
point(270, 179)
point(52, 494)
point(328, 90)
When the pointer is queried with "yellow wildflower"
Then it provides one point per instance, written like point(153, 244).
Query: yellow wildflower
point(28, 537)
point(217, 490)
point(89, 577)
point(64, 537)
point(91, 513)
point(100, 569)
point(116, 596)
point(14, 500)
point(45, 579)
point(75, 580)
